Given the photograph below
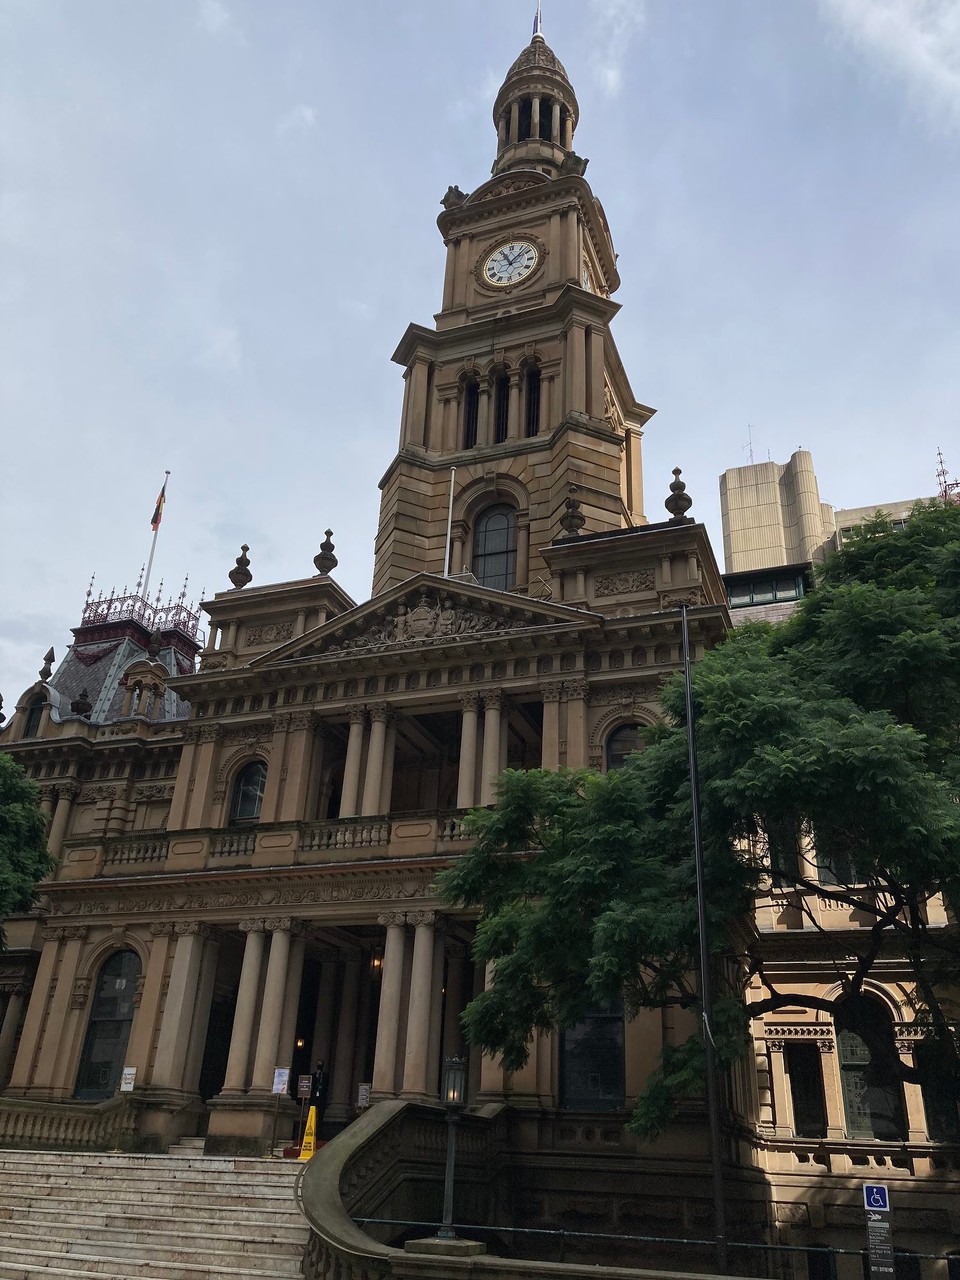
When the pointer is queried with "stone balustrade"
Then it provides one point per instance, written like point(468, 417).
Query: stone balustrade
point(61, 1126)
point(261, 844)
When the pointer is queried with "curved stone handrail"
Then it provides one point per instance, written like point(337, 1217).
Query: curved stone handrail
point(343, 1173)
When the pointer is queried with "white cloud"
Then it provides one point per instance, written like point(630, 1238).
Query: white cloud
point(615, 23)
point(214, 17)
point(919, 40)
point(301, 119)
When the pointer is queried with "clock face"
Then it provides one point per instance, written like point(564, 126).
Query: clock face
point(510, 263)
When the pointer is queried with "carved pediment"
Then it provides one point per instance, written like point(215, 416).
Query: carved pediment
point(427, 612)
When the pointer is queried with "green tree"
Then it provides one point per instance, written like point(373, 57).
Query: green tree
point(827, 753)
point(23, 839)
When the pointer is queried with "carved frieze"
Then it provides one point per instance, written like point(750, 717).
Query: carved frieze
point(269, 633)
point(623, 584)
point(433, 617)
point(153, 791)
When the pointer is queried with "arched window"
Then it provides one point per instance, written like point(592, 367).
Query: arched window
point(495, 548)
point(623, 742)
point(111, 1014)
point(867, 1057)
point(31, 725)
point(501, 408)
point(471, 413)
point(248, 792)
point(532, 403)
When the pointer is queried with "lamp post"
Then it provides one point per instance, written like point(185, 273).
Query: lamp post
point(454, 1096)
point(706, 1002)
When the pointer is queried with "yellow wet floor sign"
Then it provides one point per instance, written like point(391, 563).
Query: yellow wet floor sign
point(308, 1147)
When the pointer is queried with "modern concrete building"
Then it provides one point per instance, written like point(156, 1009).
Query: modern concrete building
point(247, 827)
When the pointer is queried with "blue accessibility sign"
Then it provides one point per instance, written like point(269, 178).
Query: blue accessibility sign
point(876, 1197)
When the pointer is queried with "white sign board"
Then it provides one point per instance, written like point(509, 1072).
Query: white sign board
point(363, 1096)
point(128, 1078)
point(281, 1079)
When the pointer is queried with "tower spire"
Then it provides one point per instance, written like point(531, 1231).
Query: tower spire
point(538, 23)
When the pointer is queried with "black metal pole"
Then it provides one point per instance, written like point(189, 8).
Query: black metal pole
point(713, 1102)
point(446, 1231)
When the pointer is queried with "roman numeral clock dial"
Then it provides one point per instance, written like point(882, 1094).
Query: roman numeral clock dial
point(510, 263)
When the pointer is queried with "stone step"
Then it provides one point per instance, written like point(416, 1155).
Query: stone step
point(269, 1227)
point(229, 1204)
point(163, 1166)
point(84, 1216)
point(159, 1247)
point(47, 1266)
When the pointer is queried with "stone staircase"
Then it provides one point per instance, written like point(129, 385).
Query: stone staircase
point(182, 1216)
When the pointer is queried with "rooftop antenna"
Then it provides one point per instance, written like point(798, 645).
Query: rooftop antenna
point(749, 445)
point(538, 23)
point(949, 489)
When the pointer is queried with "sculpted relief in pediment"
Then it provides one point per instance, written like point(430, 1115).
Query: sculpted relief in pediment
point(433, 617)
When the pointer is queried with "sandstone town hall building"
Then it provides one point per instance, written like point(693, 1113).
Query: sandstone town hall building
point(247, 832)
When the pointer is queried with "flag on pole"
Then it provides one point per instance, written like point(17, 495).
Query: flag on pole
point(158, 509)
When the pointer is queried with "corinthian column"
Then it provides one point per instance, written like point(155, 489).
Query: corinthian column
point(470, 703)
point(490, 766)
point(178, 1009)
point(550, 744)
point(271, 1011)
point(235, 1078)
point(388, 1021)
point(351, 768)
point(421, 998)
point(67, 793)
point(373, 778)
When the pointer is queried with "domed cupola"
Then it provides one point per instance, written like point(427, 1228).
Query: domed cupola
point(536, 111)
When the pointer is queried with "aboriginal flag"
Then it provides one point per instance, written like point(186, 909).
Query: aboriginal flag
point(158, 509)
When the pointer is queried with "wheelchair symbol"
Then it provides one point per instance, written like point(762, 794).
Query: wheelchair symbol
point(876, 1197)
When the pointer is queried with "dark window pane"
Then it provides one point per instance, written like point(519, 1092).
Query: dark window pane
point(872, 1094)
point(108, 1031)
point(501, 409)
point(533, 403)
point(471, 414)
point(939, 1097)
point(248, 792)
point(591, 1064)
point(495, 548)
point(821, 1263)
point(31, 726)
point(622, 743)
point(806, 1090)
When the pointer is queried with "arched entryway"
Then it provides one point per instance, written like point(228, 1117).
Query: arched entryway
point(108, 1031)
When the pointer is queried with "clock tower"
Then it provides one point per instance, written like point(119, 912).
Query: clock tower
point(519, 386)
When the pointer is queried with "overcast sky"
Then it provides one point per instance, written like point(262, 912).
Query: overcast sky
point(217, 218)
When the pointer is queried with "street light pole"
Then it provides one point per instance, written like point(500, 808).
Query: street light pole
point(454, 1096)
point(706, 999)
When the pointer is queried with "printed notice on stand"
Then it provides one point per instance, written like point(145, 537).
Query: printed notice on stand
point(876, 1202)
point(128, 1078)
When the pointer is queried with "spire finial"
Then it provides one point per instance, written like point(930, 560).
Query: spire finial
point(326, 561)
point(240, 574)
point(538, 23)
point(679, 502)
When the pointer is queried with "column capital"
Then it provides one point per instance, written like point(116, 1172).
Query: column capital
point(252, 926)
point(357, 715)
point(380, 711)
point(392, 918)
point(469, 701)
point(64, 933)
point(161, 928)
point(551, 692)
point(421, 917)
point(68, 790)
point(291, 721)
point(284, 924)
point(189, 928)
point(494, 699)
point(577, 688)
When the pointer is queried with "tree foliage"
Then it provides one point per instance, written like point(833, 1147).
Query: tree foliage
point(23, 839)
point(828, 758)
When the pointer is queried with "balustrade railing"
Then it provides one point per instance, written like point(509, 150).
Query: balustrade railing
point(363, 833)
point(233, 844)
point(102, 1126)
point(146, 846)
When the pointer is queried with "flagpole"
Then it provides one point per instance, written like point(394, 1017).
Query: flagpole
point(153, 544)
